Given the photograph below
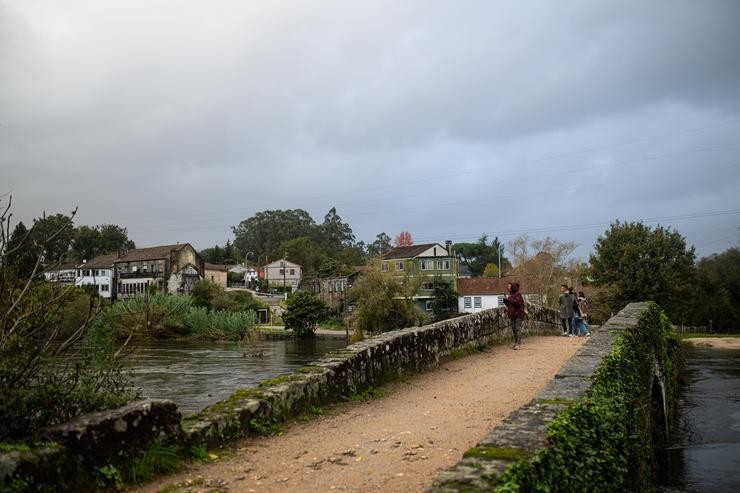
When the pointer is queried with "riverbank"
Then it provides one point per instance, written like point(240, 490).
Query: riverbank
point(721, 342)
point(395, 443)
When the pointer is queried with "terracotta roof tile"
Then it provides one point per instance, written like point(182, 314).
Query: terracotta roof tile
point(221, 267)
point(483, 285)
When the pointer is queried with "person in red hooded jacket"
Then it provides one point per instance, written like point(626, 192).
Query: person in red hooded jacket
point(515, 310)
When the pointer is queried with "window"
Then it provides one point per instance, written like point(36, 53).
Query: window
point(477, 302)
point(427, 265)
point(282, 272)
point(466, 302)
point(429, 305)
point(443, 264)
point(384, 267)
point(427, 286)
point(212, 279)
point(292, 272)
point(399, 265)
point(104, 288)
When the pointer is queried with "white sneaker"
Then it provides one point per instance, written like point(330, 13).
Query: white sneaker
point(588, 334)
point(565, 334)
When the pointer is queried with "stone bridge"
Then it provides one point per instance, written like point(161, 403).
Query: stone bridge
point(95, 441)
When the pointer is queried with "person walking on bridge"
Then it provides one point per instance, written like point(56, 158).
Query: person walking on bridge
point(566, 302)
point(515, 310)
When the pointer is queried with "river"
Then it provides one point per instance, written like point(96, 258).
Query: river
point(704, 450)
point(197, 374)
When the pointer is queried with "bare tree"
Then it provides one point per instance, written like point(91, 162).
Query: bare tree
point(542, 265)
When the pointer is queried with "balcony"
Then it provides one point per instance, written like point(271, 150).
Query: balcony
point(140, 275)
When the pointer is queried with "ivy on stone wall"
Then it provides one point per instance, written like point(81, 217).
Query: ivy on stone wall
point(604, 441)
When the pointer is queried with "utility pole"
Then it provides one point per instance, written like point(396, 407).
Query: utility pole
point(285, 268)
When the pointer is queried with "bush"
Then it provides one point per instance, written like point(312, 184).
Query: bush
point(304, 312)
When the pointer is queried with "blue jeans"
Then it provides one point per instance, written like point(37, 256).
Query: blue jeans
point(579, 326)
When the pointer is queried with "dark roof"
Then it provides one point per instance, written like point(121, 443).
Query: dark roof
point(483, 285)
point(151, 253)
point(59, 267)
point(409, 251)
point(100, 262)
point(220, 267)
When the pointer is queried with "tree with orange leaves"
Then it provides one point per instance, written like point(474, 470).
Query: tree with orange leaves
point(403, 239)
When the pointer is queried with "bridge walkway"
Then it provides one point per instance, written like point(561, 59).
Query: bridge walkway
point(394, 443)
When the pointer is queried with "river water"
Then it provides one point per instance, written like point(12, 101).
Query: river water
point(704, 451)
point(197, 374)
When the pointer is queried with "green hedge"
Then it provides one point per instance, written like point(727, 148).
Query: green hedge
point(604, 441)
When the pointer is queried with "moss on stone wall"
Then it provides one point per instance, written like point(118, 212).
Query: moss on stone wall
point(604, 441)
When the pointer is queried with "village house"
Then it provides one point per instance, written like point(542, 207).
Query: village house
point(429, 263)
point(333, 291)
point(281, 273)
point(173, 269)
point(98, 273)
point(217, 273)
point(483, 293)
point(61, 274)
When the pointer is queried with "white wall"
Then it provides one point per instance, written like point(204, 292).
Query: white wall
point(101, 281)
point(487, 301)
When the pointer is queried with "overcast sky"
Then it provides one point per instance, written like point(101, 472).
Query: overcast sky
point(448, 119)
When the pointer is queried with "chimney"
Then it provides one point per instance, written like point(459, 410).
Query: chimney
point(448, 246)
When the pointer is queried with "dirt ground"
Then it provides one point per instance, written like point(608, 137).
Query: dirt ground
point(718, 342)
point(395, 443)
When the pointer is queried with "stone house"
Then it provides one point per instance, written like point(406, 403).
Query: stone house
point(427, 263)
point(174, 269)
point(333, 291)
point(217, 273)
point(97, 272)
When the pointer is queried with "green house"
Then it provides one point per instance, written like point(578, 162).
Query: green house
point(429, 263)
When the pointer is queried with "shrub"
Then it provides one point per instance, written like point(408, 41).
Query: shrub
point(304, 312)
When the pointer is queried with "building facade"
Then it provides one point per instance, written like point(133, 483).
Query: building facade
point(216, 273)
point(173, 269)
point(282, 273)
point(97, 272)
point(428, 264)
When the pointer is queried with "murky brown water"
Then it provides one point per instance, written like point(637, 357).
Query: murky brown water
point(197, 374)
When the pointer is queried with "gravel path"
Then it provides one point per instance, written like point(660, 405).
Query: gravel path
point(395, 443)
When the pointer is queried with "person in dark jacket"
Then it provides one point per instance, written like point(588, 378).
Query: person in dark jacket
point(515, 310)
point(566, 302)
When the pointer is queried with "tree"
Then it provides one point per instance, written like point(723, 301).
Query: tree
point(476, 256)
point(333, 234)
point(383, 302)
point(305, 252)
point(86, 243)
point(304, 312)
point(403, 239)
point(213, 255)
point(639, 263)
point(381, 245)
point(55, 233)
point(21, 252)
point(444, 304)
point(51, 366)
point(717, 297)
point(265, 232)
point(491, 270)
point(542, 265)
point(113, 239)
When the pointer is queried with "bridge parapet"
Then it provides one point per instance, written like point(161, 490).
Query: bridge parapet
point(523, 453)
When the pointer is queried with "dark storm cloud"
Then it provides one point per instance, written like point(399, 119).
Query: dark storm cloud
point(414, 115)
